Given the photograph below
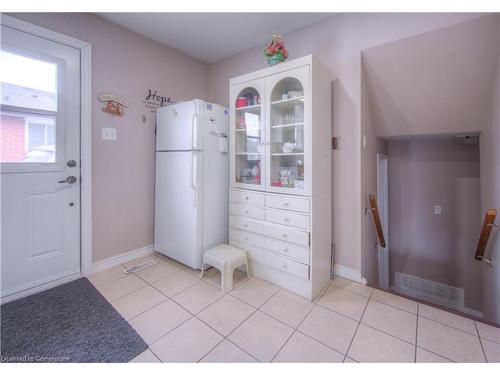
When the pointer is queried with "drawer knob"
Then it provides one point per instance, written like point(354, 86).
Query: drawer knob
point(286, 204)
point(245, 225)
point(285, 249)
point(284, 266)
point(246, 238)
point(285, 235)
point(247, 212)
point(287, 220)
point(247, 198)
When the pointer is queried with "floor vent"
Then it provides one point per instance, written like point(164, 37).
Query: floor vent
point(431, 291)
point(139, 267)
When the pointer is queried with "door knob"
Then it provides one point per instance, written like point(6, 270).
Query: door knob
point(71, 163)
point(68, 180)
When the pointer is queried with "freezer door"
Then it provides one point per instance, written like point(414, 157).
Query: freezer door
point(178, 206)
point(178, 127)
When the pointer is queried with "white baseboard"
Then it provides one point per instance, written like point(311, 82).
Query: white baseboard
point(108, 263)
point(473, 312)
point(96, 267)
point(348, 273)
point(39, 288)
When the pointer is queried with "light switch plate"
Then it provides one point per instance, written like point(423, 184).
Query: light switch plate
point(437, 210)
point(109, 134)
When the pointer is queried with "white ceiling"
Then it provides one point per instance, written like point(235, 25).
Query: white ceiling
point(212, 36)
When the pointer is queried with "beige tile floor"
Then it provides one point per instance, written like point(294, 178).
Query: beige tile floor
point(185, 319)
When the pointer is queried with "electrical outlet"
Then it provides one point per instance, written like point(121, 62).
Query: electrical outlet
point(437, 210)
point(109, 134)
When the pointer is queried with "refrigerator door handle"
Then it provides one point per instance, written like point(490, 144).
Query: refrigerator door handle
point(194, 176)
point(195, 131)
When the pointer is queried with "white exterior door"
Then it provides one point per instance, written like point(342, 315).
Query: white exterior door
point(39, 161)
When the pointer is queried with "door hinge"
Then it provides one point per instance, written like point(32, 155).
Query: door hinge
point(309, 238)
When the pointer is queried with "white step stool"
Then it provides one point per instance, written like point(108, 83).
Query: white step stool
point(226, 259)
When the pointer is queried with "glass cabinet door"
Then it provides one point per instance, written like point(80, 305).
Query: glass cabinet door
point(288, 133)
point(247, 135)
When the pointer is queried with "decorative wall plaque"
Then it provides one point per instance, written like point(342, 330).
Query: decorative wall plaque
point(114, 104)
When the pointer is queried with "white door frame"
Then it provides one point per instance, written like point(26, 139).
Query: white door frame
point(383, 206)
point(85, 140)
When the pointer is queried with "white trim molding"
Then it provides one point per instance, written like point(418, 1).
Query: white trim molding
point(39, 288)
point(85, 128)
point(117, 260)
point(348, 273)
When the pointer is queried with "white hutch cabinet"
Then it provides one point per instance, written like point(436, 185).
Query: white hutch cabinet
point(280, 173)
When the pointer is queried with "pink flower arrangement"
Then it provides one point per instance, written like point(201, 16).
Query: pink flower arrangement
point(276, 50)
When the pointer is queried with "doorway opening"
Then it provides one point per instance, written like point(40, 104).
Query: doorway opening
point(429, 197)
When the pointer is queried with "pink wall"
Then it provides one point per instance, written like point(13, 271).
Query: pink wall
point(434, 83)
point(422, 174)
point(490, 195)
point(126, 64)
point(338, 42)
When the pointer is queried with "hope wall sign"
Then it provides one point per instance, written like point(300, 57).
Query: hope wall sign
point(153, 100)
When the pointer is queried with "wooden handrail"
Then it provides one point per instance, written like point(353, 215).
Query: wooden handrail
point(489, 222)
point(376, 219)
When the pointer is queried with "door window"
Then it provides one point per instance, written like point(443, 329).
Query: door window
point(28, 109)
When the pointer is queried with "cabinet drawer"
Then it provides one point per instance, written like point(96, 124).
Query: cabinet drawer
point(301, 253)
point(247, 210)
point(254, 253)
point(242, 196)
point(289, 266)
point(246, 237)
point(243, 223)
point(288, 234)
point(287, 203)
point(288, 218)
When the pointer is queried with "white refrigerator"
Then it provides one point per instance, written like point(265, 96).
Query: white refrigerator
point(191, 192)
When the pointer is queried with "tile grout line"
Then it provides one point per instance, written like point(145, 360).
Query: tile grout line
point(177, 326)
point(257, 309)
point(481, 343)
point(343, 315)
point(394, 307)
point(227, 338)
point(293, 333)
point(162, 278)
point(318, 298)
point(439, 355)
point(359, 323)
point(416, 335)
point(125, 295)
point(388, 334)
point(195, 315)
point(150, 308)
point(168, 299)
point(350, 291)
point(239, 325)
point(446, 325)
point(122, 266)
point(216, 345)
